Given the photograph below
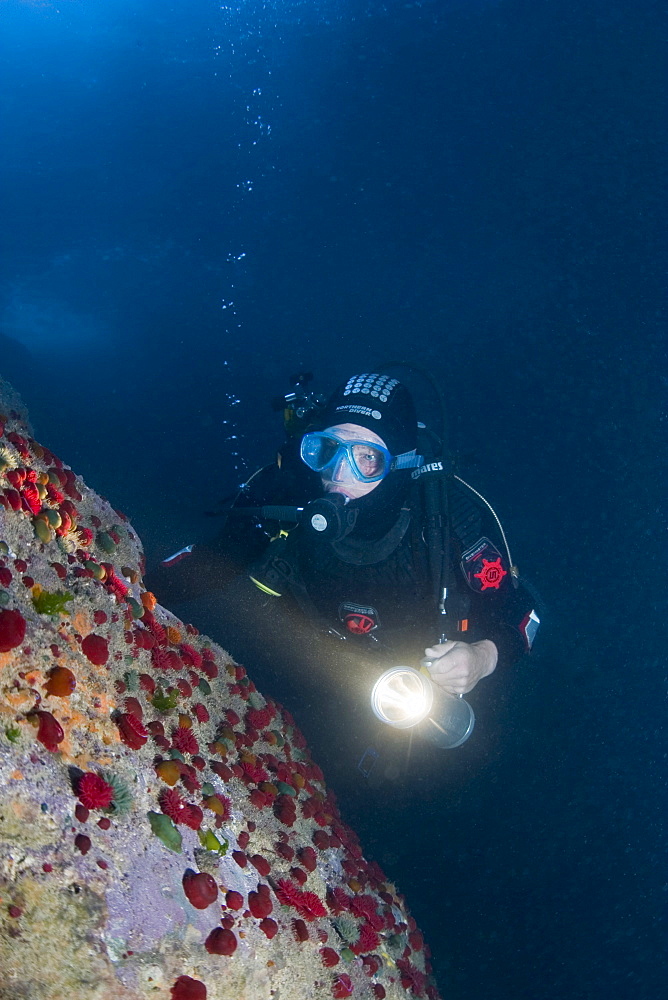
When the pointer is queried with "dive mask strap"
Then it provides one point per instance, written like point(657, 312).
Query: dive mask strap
point(408, 460)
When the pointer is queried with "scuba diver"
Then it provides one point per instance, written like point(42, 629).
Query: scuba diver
point(362, 528)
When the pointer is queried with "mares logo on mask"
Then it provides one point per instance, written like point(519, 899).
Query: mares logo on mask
point(358, 619)
point(429, 467)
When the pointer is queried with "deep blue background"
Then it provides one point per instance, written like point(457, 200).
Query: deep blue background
point(198, 201)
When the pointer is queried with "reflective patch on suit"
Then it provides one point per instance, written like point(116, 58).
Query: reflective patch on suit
point(483, 566)
point(529, 626)
point(358, 619)
point(178, 556)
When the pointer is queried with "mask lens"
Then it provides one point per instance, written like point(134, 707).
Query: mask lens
point(370, 462)
point(322, 451)
point(318, 450)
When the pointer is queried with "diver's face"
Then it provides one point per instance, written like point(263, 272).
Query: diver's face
point(341, 478)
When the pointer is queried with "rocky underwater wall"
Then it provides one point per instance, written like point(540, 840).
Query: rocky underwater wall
point(164, 832)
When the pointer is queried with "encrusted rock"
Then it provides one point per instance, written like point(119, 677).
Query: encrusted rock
point(141, 772)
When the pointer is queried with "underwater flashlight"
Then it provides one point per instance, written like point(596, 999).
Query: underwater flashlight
point(403, 697)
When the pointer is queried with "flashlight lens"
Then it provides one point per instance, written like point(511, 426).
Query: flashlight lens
point(401, 697)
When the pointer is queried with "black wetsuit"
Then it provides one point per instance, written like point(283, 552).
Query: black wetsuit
point(375, 592)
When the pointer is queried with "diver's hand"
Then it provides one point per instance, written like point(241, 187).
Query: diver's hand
point(458, 666)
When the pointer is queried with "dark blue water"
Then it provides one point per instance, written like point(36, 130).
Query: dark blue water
point(199, 200)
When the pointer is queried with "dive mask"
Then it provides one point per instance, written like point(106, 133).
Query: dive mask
point(322, 451)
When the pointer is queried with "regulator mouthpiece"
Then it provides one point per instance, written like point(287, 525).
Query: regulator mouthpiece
point(329, 518)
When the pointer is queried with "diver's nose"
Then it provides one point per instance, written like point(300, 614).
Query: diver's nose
point(342, 472)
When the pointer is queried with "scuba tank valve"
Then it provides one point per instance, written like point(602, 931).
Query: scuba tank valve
point(299, 406)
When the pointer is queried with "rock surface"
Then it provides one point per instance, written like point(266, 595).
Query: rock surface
point(164, 832)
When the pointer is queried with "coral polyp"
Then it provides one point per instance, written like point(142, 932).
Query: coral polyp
point(12, 629)
point(94, 791)
point(200, 888)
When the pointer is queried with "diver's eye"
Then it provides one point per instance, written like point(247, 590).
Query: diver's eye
point(368, 460)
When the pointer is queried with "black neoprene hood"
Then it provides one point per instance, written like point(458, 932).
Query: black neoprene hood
point(384, 405)
point(378, 402)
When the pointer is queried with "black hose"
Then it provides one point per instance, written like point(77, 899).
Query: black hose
point(436, 494)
